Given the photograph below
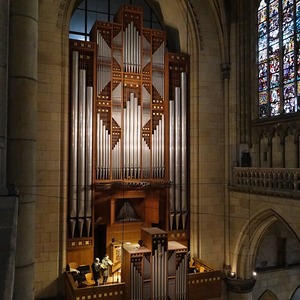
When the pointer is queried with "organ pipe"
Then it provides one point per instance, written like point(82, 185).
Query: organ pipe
point(162, 148)
point(81, 151)
point(184, 207)
point(74, 138)
point(81, 142)
point(158, 150)
point(177, 156)
point(89, 152)
point(133, 147)
point(132, 49)
point(138, 150)
point(131, 130)
point(88, 160)
point(171, 162)
point(99, 148)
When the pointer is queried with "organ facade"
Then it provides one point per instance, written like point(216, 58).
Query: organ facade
point(128, 136)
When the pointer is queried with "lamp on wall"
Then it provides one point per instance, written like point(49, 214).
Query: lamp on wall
point(232, 274)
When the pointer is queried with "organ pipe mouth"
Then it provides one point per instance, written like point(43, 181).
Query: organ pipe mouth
point(137, 184)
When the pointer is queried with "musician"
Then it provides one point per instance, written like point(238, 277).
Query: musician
point(105, 263)
point(96, 268)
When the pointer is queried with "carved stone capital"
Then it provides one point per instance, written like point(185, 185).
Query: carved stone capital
point(226, 68)
point(240, 286)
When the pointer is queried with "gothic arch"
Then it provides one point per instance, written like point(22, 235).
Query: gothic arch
point(267, 295)
point(296, 294)
point(248, 241)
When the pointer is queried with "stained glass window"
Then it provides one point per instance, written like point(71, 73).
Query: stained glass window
point(278, 57)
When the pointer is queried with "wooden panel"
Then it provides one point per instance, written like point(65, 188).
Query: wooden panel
point(205, 285)
point(152, 210)
point(109, 291)
point(83, 256)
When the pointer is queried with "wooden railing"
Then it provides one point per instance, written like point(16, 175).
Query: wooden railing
point(268, 181)
point(205, 285)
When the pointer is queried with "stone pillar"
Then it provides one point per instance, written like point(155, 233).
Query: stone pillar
point(21, 135)
point(4, 11)
point(225, 68)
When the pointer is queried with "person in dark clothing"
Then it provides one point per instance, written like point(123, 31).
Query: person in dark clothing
point(106, 262)
point(96, 268)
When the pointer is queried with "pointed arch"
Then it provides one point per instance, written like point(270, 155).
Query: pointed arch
point(267, 295)
point(219, 11)
point(249, 239)
point(296, 294)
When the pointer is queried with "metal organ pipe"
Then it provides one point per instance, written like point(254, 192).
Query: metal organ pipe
point(131, 134)
point(145, 159)
point(107, 154)
point(74, 140)
point(127, 139)
point(184, 207)
point(106, 146)
point(132, 49)
point(153, 272)
point(153, 154)
point(81, 142)
point(177, 156)
point(131, 138)
point(138, 151)
point(158, 150)
point(116, 160)
point(88, 159)
point(132, 281)
point(185, 279)
point(171, 162)
point(159, 271)
point(164, 273)
point(81, 152)
point(163, 147)
point(103, 149)
point(103, 69)
point(99, 145)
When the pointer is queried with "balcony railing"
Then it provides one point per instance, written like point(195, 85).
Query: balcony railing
point(267, 181)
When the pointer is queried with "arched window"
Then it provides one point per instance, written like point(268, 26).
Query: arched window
point(88, 11)
point(278, 57)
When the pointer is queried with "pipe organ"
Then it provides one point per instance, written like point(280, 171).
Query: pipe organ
point(158, 269)
point(128, 137)
point(82, 99)
point(131, 106)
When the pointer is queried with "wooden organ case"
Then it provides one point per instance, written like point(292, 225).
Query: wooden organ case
point(157, 269)
point(128, 141)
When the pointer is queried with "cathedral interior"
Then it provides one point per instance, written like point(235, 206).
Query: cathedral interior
point(162, 134)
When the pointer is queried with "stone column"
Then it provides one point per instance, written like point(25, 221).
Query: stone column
point(225, 68)
point(4, 11)
point(21, 135)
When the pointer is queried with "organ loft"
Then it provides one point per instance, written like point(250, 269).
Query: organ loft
point(128, 154)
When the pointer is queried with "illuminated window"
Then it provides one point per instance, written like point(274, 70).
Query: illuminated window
point(88, 11)
point(278, 57)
